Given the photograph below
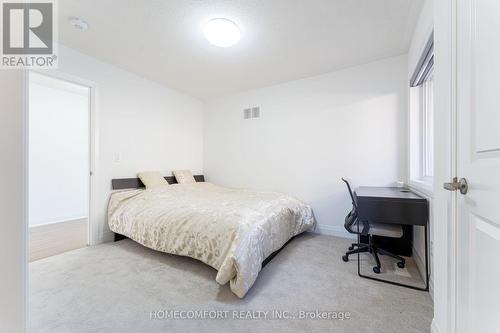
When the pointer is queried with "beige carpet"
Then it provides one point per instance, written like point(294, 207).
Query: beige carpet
point(117, 287)
point(409, 275)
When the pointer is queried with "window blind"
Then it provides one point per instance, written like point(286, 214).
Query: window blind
point(424, 65)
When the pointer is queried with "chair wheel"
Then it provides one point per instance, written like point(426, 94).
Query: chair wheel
point(376, 269)
point(401, 264)
point(345, 258)
point(351, 248)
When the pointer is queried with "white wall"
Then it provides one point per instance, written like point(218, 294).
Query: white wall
point(12, 203)
point(421, 35)
point(444, 166)
point(141, 125)
point(350, 123)
point(58, 150)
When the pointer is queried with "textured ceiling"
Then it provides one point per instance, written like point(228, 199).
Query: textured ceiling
point(282, 40)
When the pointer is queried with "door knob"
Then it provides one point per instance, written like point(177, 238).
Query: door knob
point(457, 185)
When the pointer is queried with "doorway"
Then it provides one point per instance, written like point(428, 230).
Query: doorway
point(59, 165)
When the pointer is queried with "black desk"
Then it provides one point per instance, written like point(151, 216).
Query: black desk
point(395, 205)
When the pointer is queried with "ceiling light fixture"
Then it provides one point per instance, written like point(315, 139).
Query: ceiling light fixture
point(222, 32)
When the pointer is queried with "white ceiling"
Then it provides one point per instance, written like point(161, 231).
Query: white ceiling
point(282, 40)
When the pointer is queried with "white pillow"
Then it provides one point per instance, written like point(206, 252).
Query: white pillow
point(184, 176)
point(152, 179)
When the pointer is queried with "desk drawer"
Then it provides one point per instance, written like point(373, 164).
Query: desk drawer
point(393, 211)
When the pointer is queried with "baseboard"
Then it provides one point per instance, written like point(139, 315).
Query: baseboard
point(322, 229)
point(55, 238)
point(106, 237)
point(419, 261)
point(333, 230)
point(48, 223)
point(431, 287)
point(434, 327)
point(421, 268)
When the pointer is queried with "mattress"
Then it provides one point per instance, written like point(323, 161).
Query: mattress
point(232, 230)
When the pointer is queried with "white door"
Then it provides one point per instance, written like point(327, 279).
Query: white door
point(478, 161)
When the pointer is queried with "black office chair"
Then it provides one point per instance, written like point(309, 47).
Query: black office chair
point(367, 228)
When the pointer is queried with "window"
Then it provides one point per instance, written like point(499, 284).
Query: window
point(421, 121)
point(427, 128)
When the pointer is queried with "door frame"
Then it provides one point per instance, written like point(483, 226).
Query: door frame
point(92, 231)
point(445, 202)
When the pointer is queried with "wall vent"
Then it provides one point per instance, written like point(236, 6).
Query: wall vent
point(256, 112)
point(253, 112)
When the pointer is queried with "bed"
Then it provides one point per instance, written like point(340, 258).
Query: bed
point(232, 230)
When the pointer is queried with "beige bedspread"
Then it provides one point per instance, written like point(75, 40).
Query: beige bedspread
point(232, 230)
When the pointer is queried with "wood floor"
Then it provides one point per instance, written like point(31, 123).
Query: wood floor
point(51, 239)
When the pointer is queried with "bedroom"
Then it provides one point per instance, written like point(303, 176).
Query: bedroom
point(241, 119)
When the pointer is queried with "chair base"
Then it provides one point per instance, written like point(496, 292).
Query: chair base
point(375, 251)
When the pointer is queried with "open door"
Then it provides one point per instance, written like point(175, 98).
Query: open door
point(478, 166)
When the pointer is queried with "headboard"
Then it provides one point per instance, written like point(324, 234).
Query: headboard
point(126, 183)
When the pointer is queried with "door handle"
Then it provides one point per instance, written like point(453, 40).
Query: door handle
point(460, 185)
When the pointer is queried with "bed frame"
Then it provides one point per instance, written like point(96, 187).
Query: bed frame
point(129, 183)
point(119, 237)
point(135, 183)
